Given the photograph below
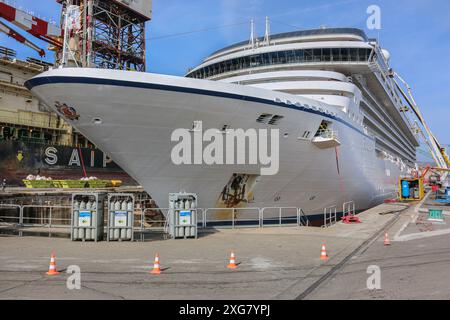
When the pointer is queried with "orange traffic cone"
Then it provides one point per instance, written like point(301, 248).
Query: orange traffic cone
point(156, 266)
point(52, 268)
point(232, 264)
point(387, 242)
point(323, 253)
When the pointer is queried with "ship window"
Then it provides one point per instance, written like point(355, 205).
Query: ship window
point(308, 55)
point(268, 118)
point(283, 57)
point(264, 118)
point(317, 53)
point(344, 54)
point(335, 54)
point(326, 54)
point(324, 126)
point(363, 54)
point(306, 134)
point(275, 119)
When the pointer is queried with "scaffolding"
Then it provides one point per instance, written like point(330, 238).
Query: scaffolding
point(103, 34)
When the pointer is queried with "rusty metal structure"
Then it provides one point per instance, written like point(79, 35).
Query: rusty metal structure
point(106, 34)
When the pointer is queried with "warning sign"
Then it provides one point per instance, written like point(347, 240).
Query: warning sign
point(120, 219)
point(84, 219)
point(185, 217)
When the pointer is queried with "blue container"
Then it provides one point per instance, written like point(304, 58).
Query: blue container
point(405, 189)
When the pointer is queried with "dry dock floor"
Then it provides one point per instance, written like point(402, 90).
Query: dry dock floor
point(274, 263)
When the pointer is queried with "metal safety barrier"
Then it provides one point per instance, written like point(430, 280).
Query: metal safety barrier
point(49, 216)
point(329, 216)
point(279, 216)
point(59, 216)
point(10, 214)
point(231, 217)
point(254, 217)
point(348, 208)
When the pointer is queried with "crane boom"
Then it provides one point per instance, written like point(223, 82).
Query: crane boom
point(438, 152)
point(17, 36)
point(35, 26)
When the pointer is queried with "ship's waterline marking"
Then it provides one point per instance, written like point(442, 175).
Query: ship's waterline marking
point(227, 147)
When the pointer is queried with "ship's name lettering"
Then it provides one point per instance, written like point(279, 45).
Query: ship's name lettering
point(53, 156)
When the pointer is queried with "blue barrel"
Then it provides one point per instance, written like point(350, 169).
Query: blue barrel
point(405, 189)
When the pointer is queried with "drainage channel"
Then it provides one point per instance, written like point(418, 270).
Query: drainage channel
point(361, 248)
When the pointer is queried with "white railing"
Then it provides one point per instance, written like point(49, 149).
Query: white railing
point(231, 217)
point(329, 216)
point(348, 208)
point(280, 216)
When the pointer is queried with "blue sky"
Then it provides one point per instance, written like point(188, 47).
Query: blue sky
point(416, 32)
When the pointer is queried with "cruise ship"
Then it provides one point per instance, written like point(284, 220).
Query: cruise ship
point(342, 133)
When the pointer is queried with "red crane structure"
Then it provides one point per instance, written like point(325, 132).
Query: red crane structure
point(35, 26)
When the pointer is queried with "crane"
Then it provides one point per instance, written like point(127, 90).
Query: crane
point(17, 36)
point(35, 26)
point(437, 151)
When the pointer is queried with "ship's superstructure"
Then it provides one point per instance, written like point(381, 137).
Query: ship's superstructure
point(340, 67)
point(343, 136)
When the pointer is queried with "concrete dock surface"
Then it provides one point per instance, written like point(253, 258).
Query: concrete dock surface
point(273, 263)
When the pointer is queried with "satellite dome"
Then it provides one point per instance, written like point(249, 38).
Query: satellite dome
point(386, 54)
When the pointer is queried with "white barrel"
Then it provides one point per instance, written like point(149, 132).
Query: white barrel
point(130, 206)
point(129, 233)
point(181, 232)
point(117, 205)
point(111, 234)
point(111, 205)
point(123, 233)
point(76, 204)
point(88, 205)
point(192, 231)
point(123, 206)
point(82, 205)
point(116, 233)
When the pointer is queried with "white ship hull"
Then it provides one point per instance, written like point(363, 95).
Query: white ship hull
point(139, 111)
